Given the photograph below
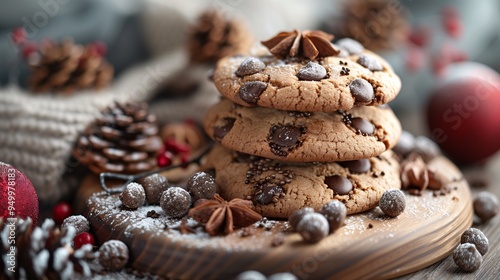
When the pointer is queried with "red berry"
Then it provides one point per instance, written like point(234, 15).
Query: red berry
point(453, 27)
point(439, 65)
point(61, 211)
point(83, 238)
point(18, 35)
point(100, 48)
point(420, 36)
point(28, 49)
point(415, 59)
point(164, 159)
point(176, 147)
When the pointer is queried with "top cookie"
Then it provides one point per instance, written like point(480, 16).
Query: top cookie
point(354, 77)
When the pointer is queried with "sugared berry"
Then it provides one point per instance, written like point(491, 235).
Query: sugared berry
point(335, 213)
point(392, 202)
point(486, 205)
point(154, 186)
point(202, 185)
point(476, 237)
point(297, 215)
point(467, 257)
point(133, 196)
point(113, 255)
point(313, 227)
point(175, 202)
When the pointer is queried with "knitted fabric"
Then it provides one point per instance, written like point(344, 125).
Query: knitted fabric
point(38, 131)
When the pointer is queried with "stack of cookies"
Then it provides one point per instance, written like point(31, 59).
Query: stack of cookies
point(302, 123)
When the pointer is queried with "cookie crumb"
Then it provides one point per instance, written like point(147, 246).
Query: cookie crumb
point(152, 214)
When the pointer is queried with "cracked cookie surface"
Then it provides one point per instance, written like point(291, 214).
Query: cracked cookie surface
point(278, 188)
point(362, 132)
point(327, 84)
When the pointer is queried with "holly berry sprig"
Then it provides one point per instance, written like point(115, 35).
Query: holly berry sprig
point(173, 149)
point(28, 48)
point(420, 38)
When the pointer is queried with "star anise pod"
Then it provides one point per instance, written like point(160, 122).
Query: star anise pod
point(218, 214)
point(308, 43)
point(416, 174)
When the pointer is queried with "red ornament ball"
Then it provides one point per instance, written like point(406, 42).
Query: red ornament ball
point(463, 112)
point(83, 239)
point(61, 211)
point(18, 198)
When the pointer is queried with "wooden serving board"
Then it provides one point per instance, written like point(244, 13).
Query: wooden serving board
point(369, 246)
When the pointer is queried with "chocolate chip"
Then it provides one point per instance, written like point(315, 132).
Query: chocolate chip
point(176, 202)
point(350, 45)
point(335, 213)
point(133, 196)
point(357, 166)
point(427, 148)
point(339, 184)
point(370, 63)
point(342, 51)
point(467, 257)
point(202, 185)
point(363, 126)
point(313, 227)
point(285, 136)
point(154, 186)
point(476, 237)
point(251, 91)
point(392, 202)
point(297, 215)
point(250, 66)
point(313, 71)
point(486, 205)
point(221, 131)
point(362, 90)
point(269, 194)
point(405, 145)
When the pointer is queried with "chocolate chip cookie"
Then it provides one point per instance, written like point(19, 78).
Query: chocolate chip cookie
point(362, 132)
point(278, 188)
point(297, 84)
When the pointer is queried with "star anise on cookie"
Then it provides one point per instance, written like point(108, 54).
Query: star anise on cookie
point(308, 43)
point(220, 215)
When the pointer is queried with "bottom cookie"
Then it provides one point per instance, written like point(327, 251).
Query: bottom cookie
point(278, 188)
point(369, 246)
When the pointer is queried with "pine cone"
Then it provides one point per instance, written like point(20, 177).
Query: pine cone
point(377, 24)
point(44, 253)
point(123, 139)
point(214, 37)
point(66, 67)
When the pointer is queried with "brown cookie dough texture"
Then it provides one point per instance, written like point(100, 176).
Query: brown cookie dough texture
point(307, 137)
point(307, 184)
point(284, 90)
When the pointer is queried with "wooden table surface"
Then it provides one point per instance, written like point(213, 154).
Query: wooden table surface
point(447, 269)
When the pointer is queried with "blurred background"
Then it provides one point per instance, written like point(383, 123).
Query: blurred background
point(156, 50)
